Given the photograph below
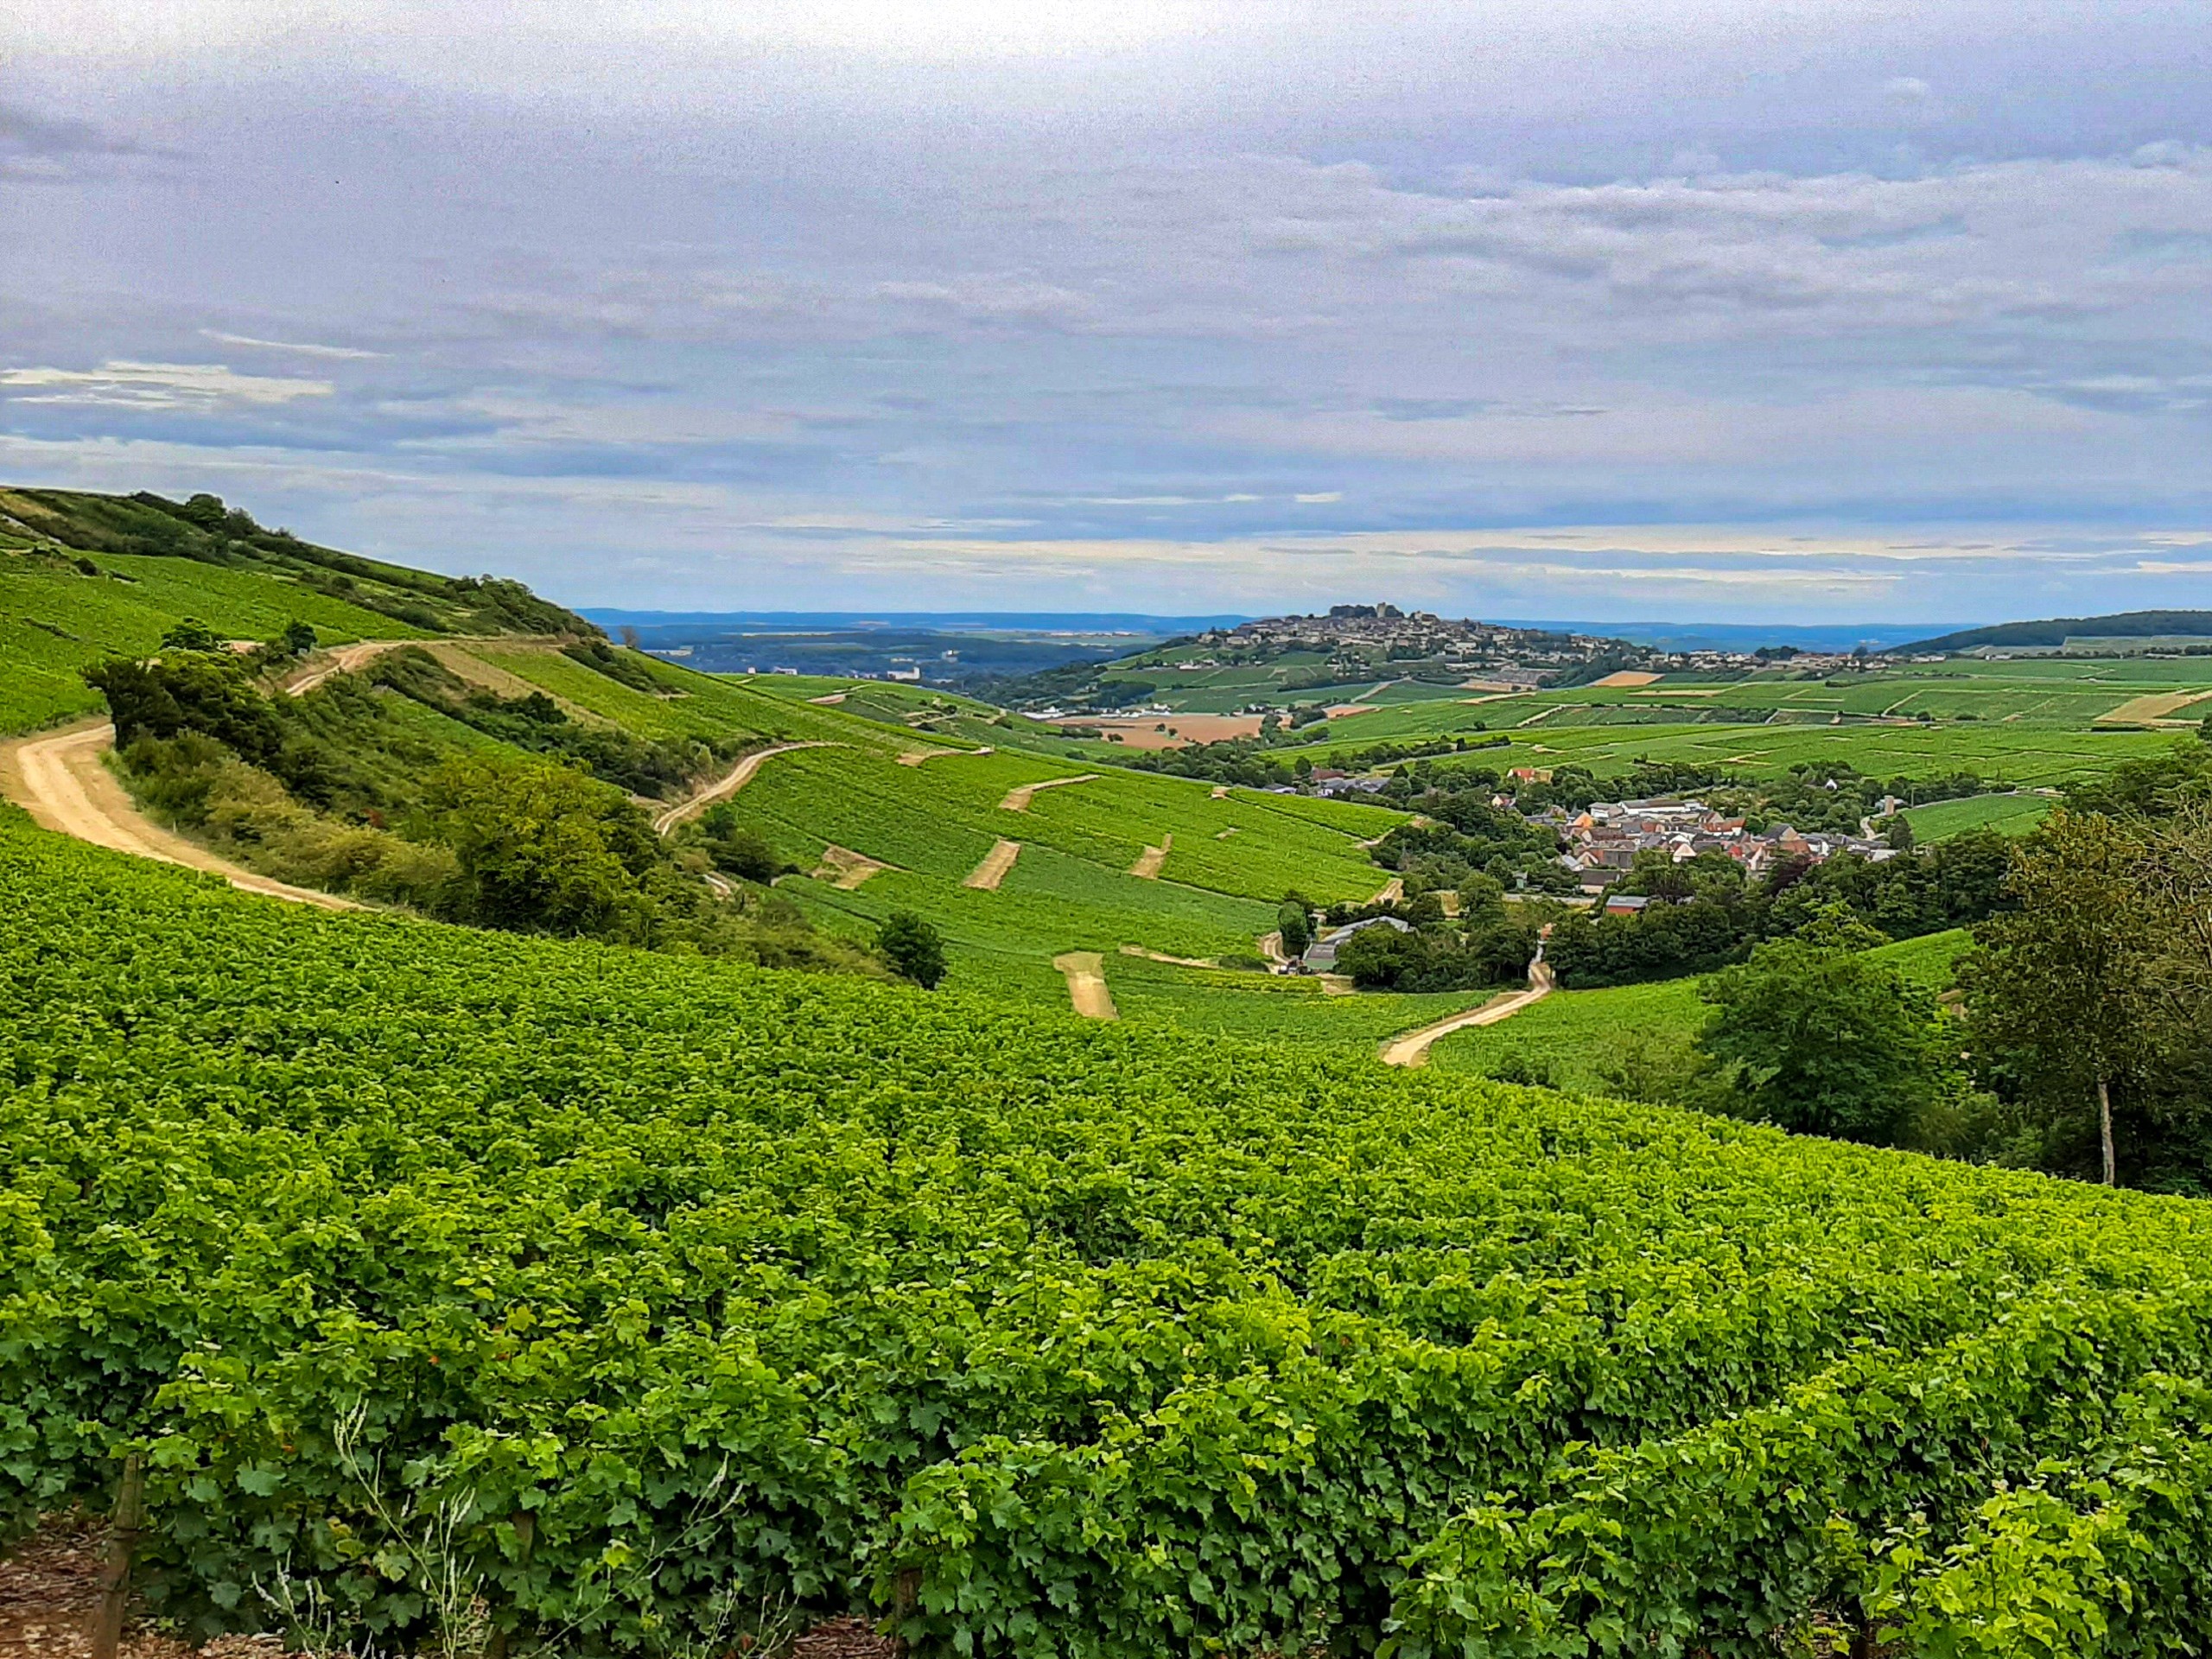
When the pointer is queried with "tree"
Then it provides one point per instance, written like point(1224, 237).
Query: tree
point(1297, 931)
point(2059, 994)
point(1826, 1041)
point(196, 692)
point(913, 947)
point(544, 847)
point(190, 633)
point(299, 636)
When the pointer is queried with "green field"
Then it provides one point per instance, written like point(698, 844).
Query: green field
point(54, 622)
point(1569, 1032)
point(672, 1290)
point(2015, 814)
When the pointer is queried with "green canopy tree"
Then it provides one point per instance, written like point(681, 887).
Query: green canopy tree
point(1826, 1041)
point(911, 946)
point(2060, 992)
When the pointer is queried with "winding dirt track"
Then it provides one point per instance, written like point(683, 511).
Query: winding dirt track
point(1411, 1048)
point(344, 659)
point(987, 875)
point(59, 778)
point(727, 785)
point(1086, 978)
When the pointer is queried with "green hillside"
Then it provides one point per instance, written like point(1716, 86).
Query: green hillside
point(755, 1291)
point(85, 577)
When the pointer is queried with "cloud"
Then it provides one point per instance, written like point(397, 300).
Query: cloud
point(44, 149)
point(347, 353)
point(157, 385)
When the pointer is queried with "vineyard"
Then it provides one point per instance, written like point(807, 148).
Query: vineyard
point(630, 1303)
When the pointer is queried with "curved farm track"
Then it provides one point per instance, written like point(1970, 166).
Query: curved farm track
point(1411, 1048)
point(60, 777)
point(727, 785)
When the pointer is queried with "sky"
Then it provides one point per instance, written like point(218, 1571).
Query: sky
point(1767, 311)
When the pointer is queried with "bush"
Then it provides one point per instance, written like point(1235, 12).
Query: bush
point(544, 847)
point(912, 947)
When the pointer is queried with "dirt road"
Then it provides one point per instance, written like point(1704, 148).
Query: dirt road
point(727, 785)
point(1174, 962)
point(60, 777)
point(344, 659)
point(987, 875)
point(1412, 1047)
point(1149, 861)
point(1017, 799)
point(1086, 976)
point(1394, 890)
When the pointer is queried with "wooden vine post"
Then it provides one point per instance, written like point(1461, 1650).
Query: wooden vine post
point(115, 1572)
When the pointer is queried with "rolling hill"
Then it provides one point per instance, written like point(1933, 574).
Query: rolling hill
point(2057, 631)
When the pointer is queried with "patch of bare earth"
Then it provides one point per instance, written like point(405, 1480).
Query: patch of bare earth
point(845, 868)
point(987, 875)
point(1150, 861)
point(1086, 976)
point(50, 1593)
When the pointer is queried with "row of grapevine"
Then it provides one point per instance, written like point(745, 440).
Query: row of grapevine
point(629, 1293)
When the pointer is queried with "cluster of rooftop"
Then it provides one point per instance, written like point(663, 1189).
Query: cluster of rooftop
point(1605, 839)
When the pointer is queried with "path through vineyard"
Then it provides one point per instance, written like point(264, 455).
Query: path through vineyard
point(987, 875)
point(1412, 1047)
point(344, 659)
point(727, 785)
point(1018, 798)
point(60, 779)
point(1086, 976)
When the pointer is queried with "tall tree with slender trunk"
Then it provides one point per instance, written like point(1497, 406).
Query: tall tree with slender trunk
point(2062, 992)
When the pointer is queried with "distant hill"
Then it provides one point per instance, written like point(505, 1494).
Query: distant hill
point(2057, 631)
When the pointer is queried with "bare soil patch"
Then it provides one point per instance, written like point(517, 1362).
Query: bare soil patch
point(1149, 861)
point(1086, 978)
point(1627, 676)
point(846, 870)
point(50, 1592)
point(1170, 731)
point(987, 875)
point(1018, 798)
point(2148, 710)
